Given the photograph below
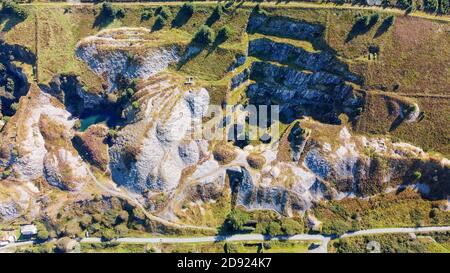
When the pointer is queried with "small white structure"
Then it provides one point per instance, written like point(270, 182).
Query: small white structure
point(28, 230)
point(189, 80)
point(374, 2)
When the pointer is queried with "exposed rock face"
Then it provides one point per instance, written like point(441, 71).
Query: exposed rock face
point(284, 27)
point(17, 197)
point(125, 53)
point(70, 91)
point(42, 143)
point(300, 93)
point(288, 54)
point(302, 81)
point(92, 145)
point(151, 152)
point(332, 168)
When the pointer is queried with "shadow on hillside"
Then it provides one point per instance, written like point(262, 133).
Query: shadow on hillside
point(180, 19)
point(102, 20)
point(192, 51)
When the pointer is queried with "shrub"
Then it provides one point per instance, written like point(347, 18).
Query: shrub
point(362, 22)
point(259, 11)
point(10, 85)
point(160, 22)
point(389, 21)
point(204, 36)
point(146, 15)
point(404, 4)
point(120, 13)
point(417, 175)
point(42, 234)
point(12, 8)
point(236, 220)
point(230, 248)
point(112, 133)
point(163, 11)
point(14, 106)
point(135, 104)
point(130, 92)
point(6, 173)
point(431, 5)
point(107, 10)
point(223, 34)
point(187, 9)
point(374, 19)
point(290, 227)
point(273, 229)
point(444, 7)
point(215, 15)
point(108, 235)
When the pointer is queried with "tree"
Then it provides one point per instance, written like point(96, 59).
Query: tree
point(431, 5)
point(120, 13)
point(160, 22)
point(146, 15)
point(12, 8)
point(10, 85)
point(163, 11)
point(215, 15)
point(108, 235)
point(187, 9)
point(373, 19)
point(42, 234)
point(417, 175)
point(107, 10)
point(291, 227)
point(444, 7)
point(204, 36)
point(223, 34)
point(236, 219)
point(273, 229)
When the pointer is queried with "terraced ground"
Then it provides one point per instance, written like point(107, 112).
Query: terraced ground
point(314, 60)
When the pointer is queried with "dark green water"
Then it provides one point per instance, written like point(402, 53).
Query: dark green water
point(94, 119)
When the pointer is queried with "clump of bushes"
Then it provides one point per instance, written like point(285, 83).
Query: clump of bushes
point(146, 15)
point(259, 11)
point(204, 36)
point(223, 34)
point(109, 12)
point(215, 15)
point(183, 15)
point(13, 9)
point(160, 22)
point(187, 9)
point(163, 11)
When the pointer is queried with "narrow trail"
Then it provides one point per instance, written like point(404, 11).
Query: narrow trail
point(123, 194)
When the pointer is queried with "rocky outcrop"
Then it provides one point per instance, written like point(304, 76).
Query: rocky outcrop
point(284, 27)
point(125, 53)
point(92, 146)
point(301, 58)
point(321, 95)
point(151, 152)
point(38, 143)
